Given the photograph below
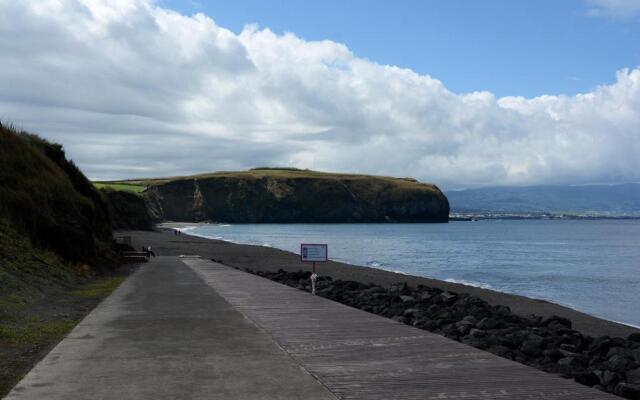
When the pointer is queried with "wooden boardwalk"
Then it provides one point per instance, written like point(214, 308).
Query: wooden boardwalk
point(358, 355)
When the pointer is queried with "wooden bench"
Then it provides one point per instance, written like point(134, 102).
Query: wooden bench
point(134, 257)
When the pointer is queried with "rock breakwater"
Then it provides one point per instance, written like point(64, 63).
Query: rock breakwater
point(549, 344)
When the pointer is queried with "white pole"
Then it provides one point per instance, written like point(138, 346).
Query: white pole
point(313, 283)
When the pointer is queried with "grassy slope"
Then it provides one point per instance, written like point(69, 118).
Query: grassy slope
point(42, 297)
point(55, 234)
point(47, 199)
point(27, 272)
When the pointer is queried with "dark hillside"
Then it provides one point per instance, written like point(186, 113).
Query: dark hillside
point(42, 297)
point(55, 234)
point(27, 272)
point(46, 198)
point(128, 210)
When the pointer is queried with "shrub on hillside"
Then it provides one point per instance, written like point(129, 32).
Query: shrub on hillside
point(45, 197)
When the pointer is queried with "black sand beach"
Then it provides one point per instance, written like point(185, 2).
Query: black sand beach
point(259, 258)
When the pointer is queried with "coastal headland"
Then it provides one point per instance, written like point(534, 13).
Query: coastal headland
point(289, 195)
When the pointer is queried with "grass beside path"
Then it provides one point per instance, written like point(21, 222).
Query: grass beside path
point(30, 331)
point(101, 288)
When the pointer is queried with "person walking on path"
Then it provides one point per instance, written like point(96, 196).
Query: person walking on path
point(150, 252)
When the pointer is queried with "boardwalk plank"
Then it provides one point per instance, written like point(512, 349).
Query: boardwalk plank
point(358, 355)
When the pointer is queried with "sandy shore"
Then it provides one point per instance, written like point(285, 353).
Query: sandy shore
point(270, 259)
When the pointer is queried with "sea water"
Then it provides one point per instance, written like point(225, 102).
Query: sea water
point(591, 266)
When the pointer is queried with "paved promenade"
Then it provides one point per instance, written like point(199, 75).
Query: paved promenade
point(193, 329)
point(165, 334)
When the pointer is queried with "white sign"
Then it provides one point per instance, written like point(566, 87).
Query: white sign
point(314, 252)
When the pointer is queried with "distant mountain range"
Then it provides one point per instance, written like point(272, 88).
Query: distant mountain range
point(619, 199)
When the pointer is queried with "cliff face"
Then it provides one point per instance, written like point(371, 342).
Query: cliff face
point(289, 196)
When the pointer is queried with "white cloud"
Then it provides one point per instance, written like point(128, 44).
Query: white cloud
point(614, 8)
point(132, 89)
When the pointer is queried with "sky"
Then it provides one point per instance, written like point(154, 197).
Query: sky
point(511, 48)
point(458, 93)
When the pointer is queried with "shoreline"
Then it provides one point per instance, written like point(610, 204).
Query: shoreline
point(270, 259)
point(187, 227)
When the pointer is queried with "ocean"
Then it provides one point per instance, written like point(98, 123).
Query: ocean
point(591, 266)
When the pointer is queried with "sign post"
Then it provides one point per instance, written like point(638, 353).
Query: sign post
point(313, 253)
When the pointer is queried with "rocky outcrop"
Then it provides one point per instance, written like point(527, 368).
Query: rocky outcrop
point(549, 344)
point(288, 196)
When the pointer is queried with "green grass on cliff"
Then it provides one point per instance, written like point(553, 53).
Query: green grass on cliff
point(121, 186)
point(292, 173)
point(283, 173)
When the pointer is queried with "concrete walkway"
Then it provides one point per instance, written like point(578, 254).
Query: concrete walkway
point(193, 329)
point(358, 355)
point(165, 334)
